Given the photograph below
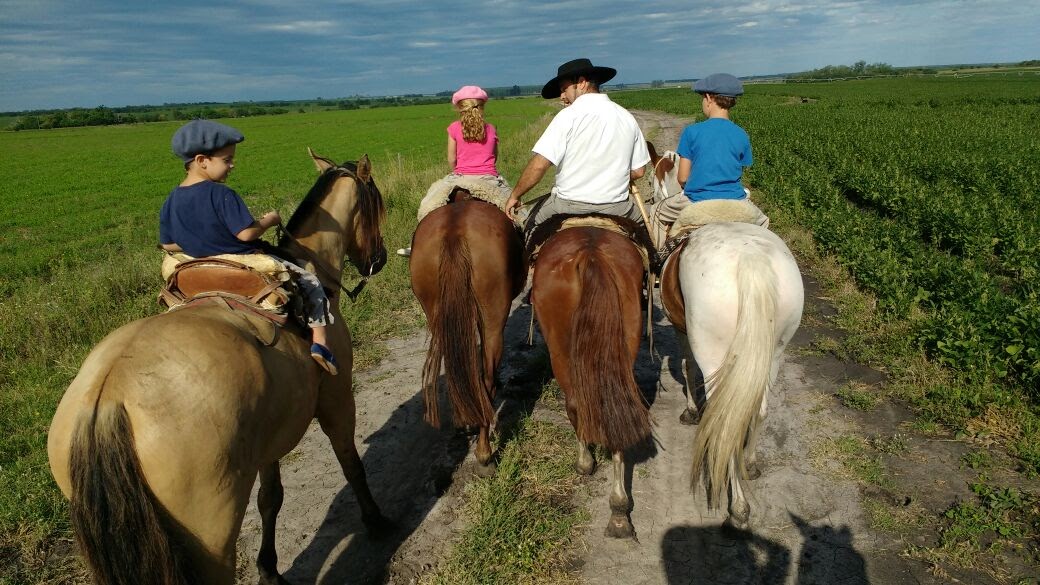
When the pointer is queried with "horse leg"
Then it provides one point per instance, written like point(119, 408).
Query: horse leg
point(341, 435)
point(754, 471)
point(739, 509)
point(692, 415)
point(269, 502)
point(586, 463)
point(491, 346)
point(619, 525)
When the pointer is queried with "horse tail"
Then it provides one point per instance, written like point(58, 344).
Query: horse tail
point(733, 411)
point(611, 411)
point(455, 340)
point(123, 532)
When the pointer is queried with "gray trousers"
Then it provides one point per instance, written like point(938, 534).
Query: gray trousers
point(552, 205)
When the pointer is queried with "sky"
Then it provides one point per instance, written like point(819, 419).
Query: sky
point(60, 54)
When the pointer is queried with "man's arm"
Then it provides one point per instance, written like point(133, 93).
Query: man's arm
point(637, 173)
point(532, 174)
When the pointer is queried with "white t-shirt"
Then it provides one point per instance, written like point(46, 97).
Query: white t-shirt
point(595, 145)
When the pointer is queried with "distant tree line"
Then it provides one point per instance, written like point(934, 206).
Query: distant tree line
point(858, 69)
point(103, 116)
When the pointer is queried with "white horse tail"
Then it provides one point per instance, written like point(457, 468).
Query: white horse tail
point(735, 391)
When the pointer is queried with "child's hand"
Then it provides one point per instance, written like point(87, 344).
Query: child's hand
point(270, 219)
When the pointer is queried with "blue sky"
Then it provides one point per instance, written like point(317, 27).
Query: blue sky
point(56, 54)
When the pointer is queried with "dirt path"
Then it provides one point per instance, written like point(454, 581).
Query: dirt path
point(808, 527)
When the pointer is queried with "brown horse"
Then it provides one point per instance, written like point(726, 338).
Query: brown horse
point(467, 266)
point(586, 294)
point(159, 439)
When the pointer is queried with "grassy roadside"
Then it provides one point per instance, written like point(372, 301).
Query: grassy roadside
point(980, 533)
point(524, 521)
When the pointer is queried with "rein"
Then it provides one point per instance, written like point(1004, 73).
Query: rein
point(352, 294)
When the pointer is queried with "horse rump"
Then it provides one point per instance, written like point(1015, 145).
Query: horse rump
point(123, 532)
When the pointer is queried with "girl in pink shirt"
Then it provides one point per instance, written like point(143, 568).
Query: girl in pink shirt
point(472, 154)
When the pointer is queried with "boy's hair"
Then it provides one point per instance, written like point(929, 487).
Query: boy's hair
point(471, 115)
point(208, 153)
point(725, 102)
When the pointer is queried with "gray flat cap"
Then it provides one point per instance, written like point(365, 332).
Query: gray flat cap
point(202, 136)
point(719, 84)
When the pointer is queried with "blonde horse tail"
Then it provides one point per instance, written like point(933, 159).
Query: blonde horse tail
point(611, 411)
point(455, 340)
point(733, 410)
point(122, 530)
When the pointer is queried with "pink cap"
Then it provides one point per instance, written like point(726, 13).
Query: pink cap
point(469, 92)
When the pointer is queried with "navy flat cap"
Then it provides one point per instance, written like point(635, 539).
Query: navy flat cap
point(719, 84)
point(203, 136)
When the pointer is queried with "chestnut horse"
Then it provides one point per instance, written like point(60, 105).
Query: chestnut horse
point(467, 266)
point(160, 437)
point(587, 295)
point(742, 297)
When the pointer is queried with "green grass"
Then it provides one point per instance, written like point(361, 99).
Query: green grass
point(522, 521)
point(858, 396)
point(77, 251)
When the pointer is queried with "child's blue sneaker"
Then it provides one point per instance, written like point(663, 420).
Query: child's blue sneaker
point(324, 357)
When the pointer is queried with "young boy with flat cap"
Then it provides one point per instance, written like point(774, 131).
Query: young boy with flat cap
point(713, 154)
point(204, 217)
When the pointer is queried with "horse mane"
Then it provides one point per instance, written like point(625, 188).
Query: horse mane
point(369, 202)
point(636, 232)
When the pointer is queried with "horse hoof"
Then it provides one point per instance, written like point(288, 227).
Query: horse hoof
point(275, 579)
point(690, 417)
point(753, 471)
point(735, 528)
point(485, 470)
point(584, 469)
point(378, 527)
point(619, 527)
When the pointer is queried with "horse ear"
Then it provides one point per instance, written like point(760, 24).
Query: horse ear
point(321, 162)
point(364, 168)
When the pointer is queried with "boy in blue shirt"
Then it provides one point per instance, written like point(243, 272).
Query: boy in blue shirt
point(204, 217)
point(713, 154)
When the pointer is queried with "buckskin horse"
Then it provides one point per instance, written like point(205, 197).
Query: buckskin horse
point(734, 294)
point(467, 266)
point(158, 440)
point(587, 295)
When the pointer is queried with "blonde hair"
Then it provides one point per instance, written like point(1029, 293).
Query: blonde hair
point(471, 114)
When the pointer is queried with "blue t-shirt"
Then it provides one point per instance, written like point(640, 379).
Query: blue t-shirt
point(718, 151)
point(203, 219)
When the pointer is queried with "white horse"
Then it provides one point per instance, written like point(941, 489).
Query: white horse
point(743, 302)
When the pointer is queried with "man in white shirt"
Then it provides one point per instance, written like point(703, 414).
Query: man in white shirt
point(596, 145)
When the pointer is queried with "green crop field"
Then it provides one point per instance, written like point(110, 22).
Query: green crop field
point(928, 192)
point(78, 258)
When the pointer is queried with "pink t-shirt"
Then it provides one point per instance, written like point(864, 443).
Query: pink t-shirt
point(474, 158)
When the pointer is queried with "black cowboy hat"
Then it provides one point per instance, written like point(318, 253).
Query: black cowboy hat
point(574, 69)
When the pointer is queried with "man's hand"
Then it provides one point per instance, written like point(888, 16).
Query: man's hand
point(512, 206)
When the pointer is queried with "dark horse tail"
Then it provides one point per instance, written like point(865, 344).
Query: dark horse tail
point(122, 530)
point(611, 411)
point(455, 339)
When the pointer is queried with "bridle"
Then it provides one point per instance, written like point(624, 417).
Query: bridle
point(364, 189)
